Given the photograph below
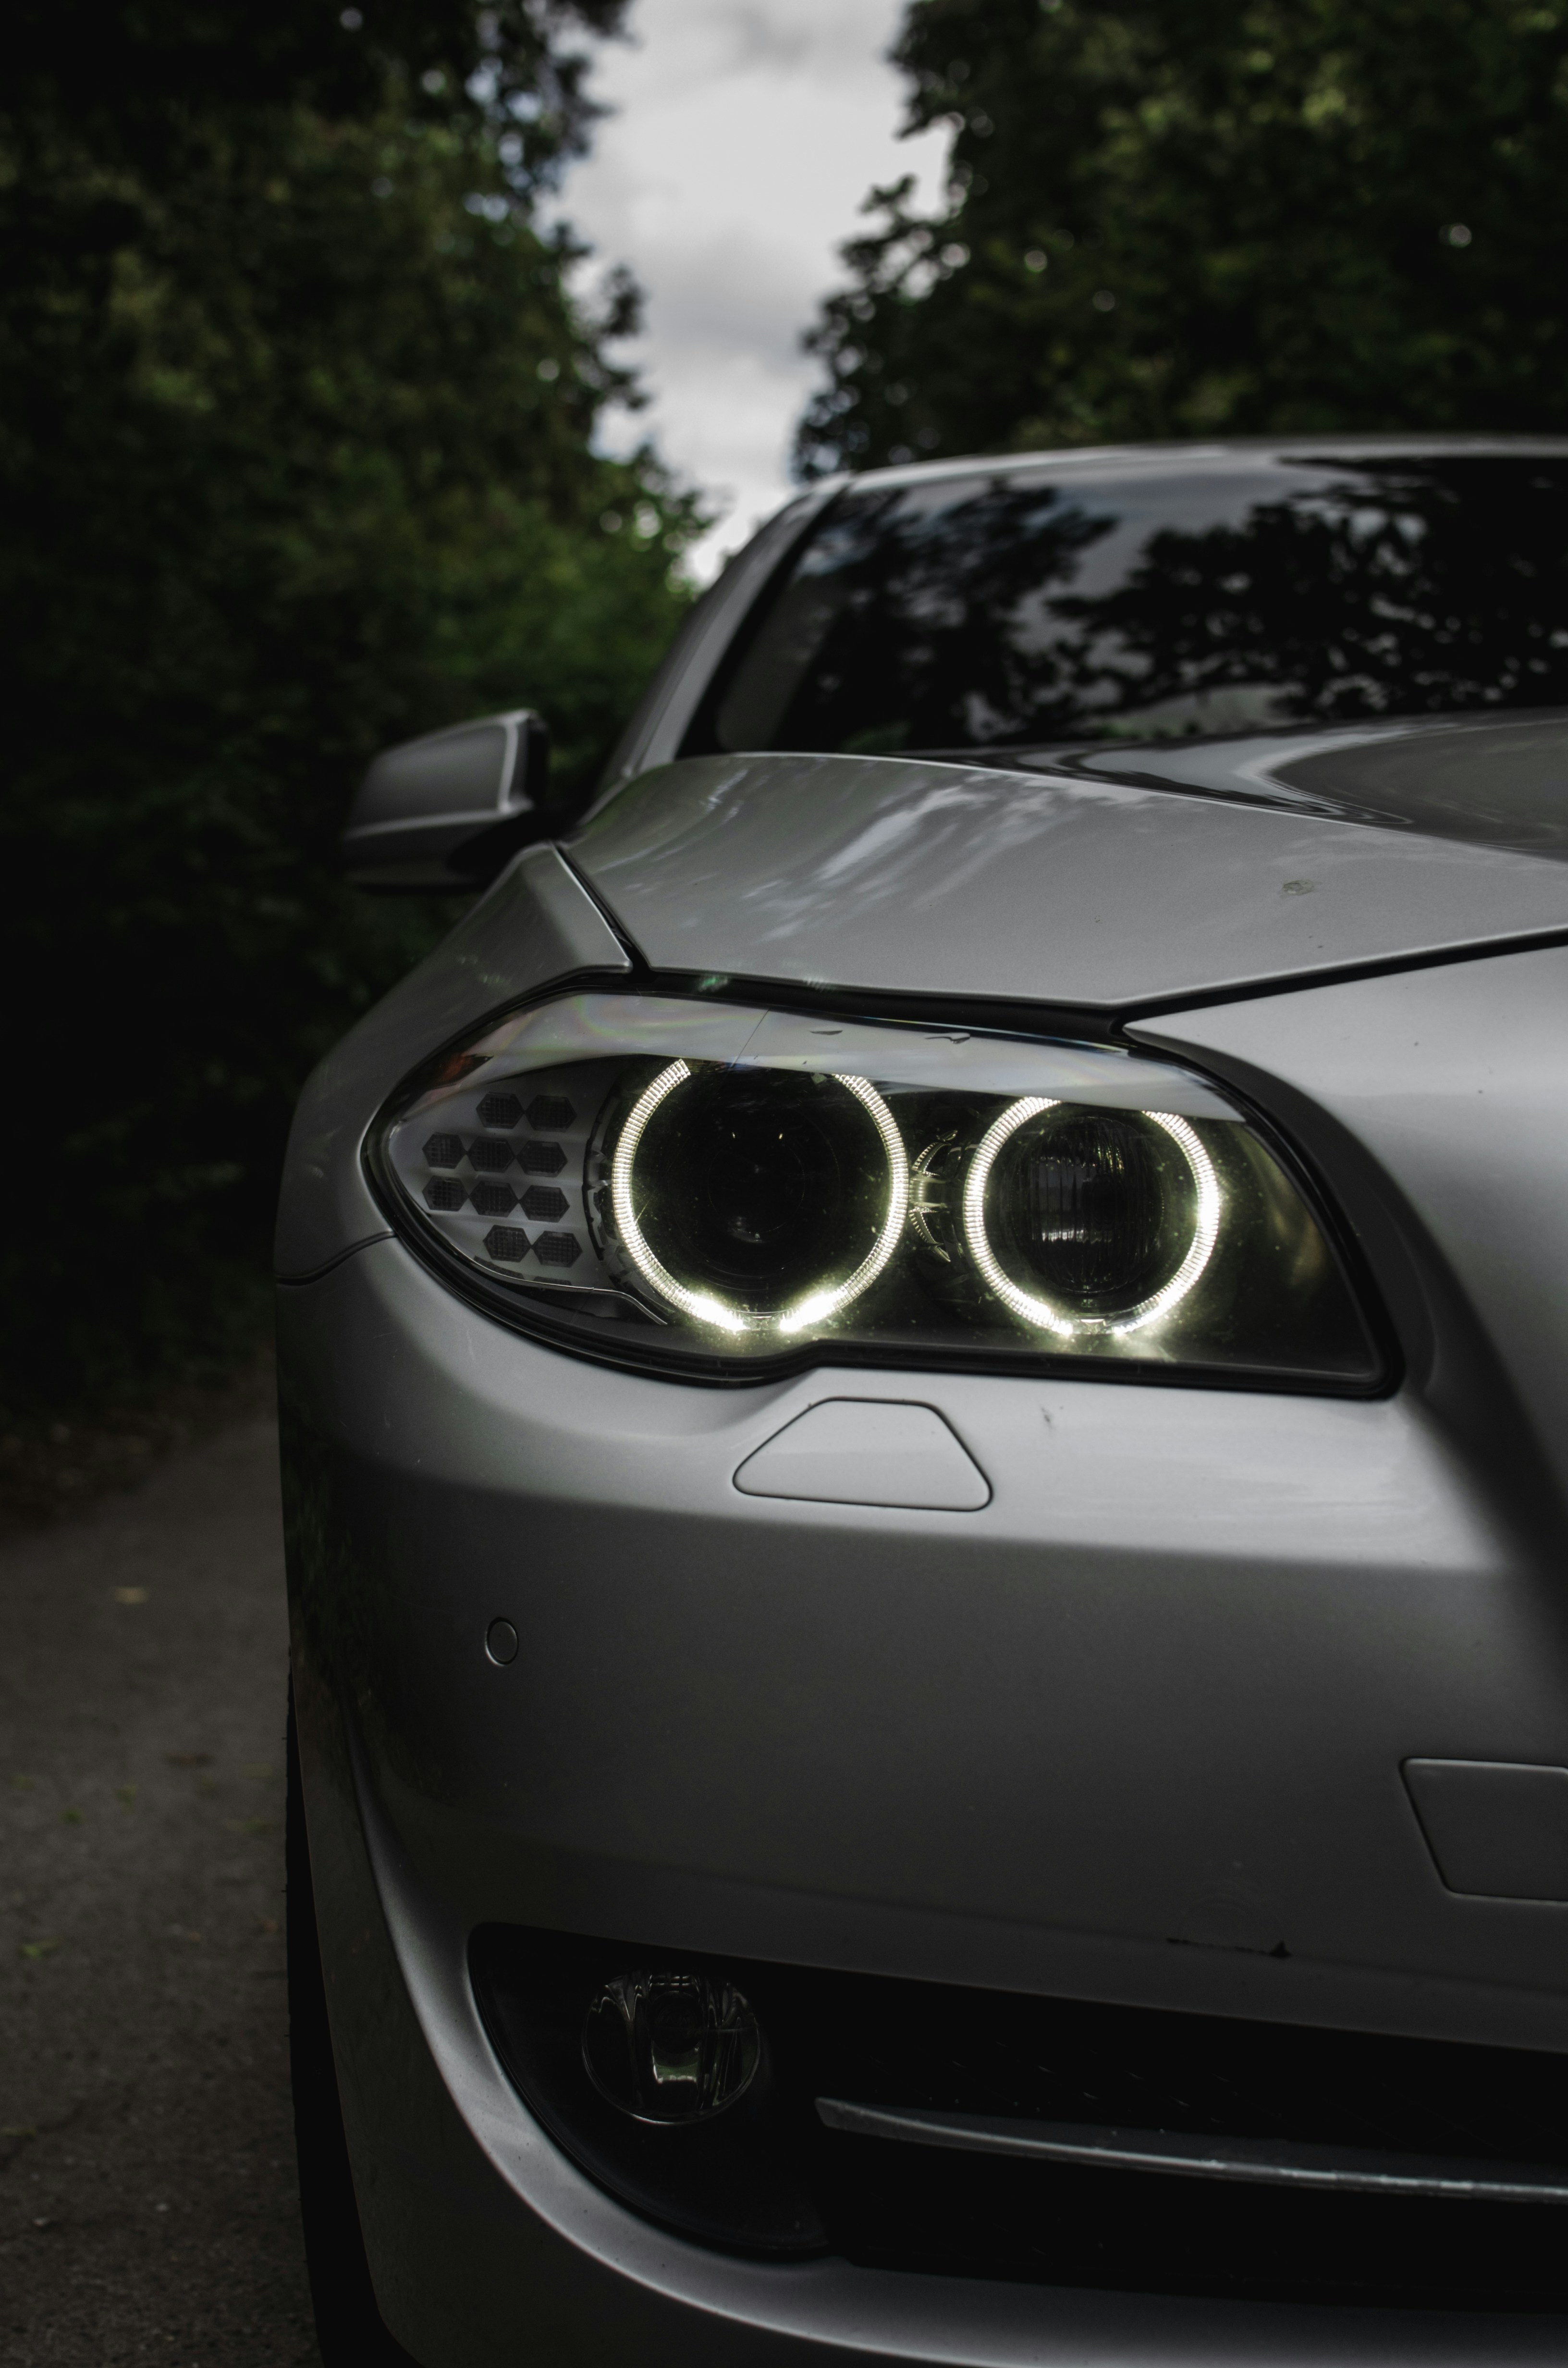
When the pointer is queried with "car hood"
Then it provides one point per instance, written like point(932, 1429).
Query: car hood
point(1098, 879)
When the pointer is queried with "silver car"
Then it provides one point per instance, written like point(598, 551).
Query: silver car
point(925, 1387)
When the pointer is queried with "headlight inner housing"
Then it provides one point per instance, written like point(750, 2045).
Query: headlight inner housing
point(763, 1193)
point(1049, 1215)
point(726, 1190)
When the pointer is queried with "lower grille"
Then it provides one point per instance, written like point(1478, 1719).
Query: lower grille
point(1252, 2162)
point(1196, 2148)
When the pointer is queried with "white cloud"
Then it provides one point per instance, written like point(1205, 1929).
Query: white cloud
point(742, 143)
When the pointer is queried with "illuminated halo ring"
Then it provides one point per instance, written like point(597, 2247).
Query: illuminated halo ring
point(1051, 1318)
point(819, 1304)
point(703, 1307)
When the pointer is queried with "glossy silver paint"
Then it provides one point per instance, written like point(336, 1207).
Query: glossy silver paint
point(899, 1752)
point(1488, 781)
point(1130, 1725)
point(1436, 1103)
point(491, 2250)
point(1163, 1700)
point(902, 876)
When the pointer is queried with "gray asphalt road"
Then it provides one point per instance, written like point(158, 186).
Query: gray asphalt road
point(148, 2210)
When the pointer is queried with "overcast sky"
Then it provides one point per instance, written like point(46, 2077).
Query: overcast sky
point(744, 137)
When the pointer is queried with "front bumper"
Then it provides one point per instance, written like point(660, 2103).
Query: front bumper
point(1132, 1732)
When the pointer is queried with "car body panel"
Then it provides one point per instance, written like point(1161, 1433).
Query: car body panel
point(490, 2249)
point(1487, 781)
point(1140, 1737)
point(905, 876)
point(1126, 1723)
point(1437, 1102)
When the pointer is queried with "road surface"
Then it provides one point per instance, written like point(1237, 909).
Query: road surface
point(148, 2209)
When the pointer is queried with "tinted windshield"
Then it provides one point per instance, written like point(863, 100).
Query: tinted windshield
point(1021, 606)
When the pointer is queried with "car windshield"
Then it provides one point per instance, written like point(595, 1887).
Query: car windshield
point(1018, 607)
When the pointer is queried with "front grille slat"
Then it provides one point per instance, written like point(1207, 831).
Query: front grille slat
point(1273, 2162)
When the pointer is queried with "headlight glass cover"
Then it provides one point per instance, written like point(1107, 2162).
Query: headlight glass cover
point(708, 1186)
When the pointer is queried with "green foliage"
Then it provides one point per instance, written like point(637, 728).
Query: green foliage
point(1191, 218)
point(295, 434)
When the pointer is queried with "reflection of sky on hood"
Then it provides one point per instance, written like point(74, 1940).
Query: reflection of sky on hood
point(928, 877)
point(911, 837)
point(935, 842)
point(1491, 782)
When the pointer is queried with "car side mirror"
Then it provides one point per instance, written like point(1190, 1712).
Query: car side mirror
point(446, 812)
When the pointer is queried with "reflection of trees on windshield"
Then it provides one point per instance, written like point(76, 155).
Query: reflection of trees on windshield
point(1392, 590)
point(914, 624)
point(915, 619)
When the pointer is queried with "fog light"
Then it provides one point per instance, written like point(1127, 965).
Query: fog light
point(654, 2073)
point(670, 2047)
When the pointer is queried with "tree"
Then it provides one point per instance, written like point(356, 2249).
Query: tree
point(1191, 218)
point(296, 420)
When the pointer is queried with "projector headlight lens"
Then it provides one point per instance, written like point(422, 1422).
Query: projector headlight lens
point(1084, 1221)
point(684, 1185)
point(760, 1202)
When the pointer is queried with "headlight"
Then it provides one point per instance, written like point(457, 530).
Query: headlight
point(711, 1188)
point(761, 1204)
